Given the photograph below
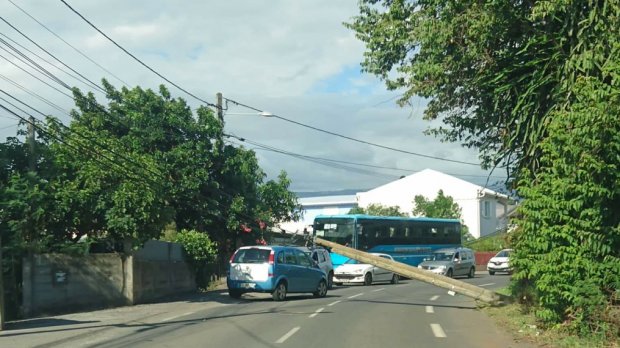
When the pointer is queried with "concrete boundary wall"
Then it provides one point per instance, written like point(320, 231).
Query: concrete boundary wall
point(56, 283)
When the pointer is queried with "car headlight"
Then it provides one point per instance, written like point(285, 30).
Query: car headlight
point(442, 267)
point(420, 266)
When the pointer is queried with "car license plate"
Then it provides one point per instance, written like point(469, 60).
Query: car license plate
point(248, 285)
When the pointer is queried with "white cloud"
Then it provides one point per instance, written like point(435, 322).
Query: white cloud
point(282, 56)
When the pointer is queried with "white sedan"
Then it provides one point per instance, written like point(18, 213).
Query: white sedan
point(354, 271)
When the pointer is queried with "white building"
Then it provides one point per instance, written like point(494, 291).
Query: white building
point(319, 205)
point(483, 211)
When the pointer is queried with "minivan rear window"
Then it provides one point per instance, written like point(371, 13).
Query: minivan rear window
point(253, 255)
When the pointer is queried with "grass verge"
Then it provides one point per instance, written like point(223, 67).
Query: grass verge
point(524, 327)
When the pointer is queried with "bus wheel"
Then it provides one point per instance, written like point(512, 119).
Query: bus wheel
point(368, 279)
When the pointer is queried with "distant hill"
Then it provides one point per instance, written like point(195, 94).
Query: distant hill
point(329, 193)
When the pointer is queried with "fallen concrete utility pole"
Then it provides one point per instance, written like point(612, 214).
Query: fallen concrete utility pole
point(404, 270)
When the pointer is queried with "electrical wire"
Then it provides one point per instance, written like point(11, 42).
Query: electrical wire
point(138, 60)
point(46, 101)
point(349, 138)
point(319, 161)
point(96, 86)
point(38, 56)
point(33, 65)
point(314, 159)
point(121, 167)
point(36, 77)
point(68, 44)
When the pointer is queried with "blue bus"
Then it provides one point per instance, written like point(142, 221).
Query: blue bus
point(408, 240)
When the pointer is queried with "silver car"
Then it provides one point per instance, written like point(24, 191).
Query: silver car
point(321, 257)
point(451, 262)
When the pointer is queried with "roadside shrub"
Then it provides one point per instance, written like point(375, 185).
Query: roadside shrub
point(200, 251)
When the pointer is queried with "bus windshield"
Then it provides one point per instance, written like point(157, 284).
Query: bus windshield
point(335, 230)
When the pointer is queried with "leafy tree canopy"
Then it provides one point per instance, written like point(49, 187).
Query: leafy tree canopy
point(442, 207)
point(493, 72)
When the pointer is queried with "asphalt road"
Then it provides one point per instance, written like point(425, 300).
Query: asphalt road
point(409, 314)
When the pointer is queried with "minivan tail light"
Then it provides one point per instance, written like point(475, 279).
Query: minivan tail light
point(271, 258)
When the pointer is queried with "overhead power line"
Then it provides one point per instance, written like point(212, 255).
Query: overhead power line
point(29, 73)
point(94, 154)
point(32, 64)
point(38, 56)
point(51, 55)
point(138, 60)
point(46, 101)
point(349, 138)
point(327, 161)
point(68, 44)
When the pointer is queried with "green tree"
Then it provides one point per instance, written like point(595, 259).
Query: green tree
point(523, 82)
point(492, 71)
point(567, 250)
point(442, 207)
point(377, 209)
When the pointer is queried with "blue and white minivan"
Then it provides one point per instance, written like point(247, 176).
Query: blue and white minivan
point(274, 269)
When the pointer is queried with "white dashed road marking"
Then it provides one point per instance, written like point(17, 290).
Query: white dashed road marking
point(429, 309)
point(333, 303)
point(438, 331)
point(354, 296)
point(488, 284)
point(288, 335)
point(315, 313)
point(378, 290)
point(434, 297)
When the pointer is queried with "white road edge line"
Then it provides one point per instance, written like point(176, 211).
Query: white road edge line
point(333, 303)
point(378, 290)
point(434, 297)
point(429, 309)
point(488, 284)
point(354, 296)
point(315, 313)
point(438, 331)
point(288, 334)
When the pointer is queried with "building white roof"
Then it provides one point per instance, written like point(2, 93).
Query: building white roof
point(327, 200)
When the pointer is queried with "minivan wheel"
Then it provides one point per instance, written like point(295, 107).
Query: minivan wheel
point(234, 293)
point(330, 280)
point(449, 273)
point(395, 279)
point(321, 290)
point(472, 273)
point(368, 279)
point(279, 294)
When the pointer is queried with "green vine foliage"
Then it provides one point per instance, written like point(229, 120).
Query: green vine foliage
point(567, 251)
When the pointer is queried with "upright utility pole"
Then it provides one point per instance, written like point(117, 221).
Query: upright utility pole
point(32, 145)
point(220, 109)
